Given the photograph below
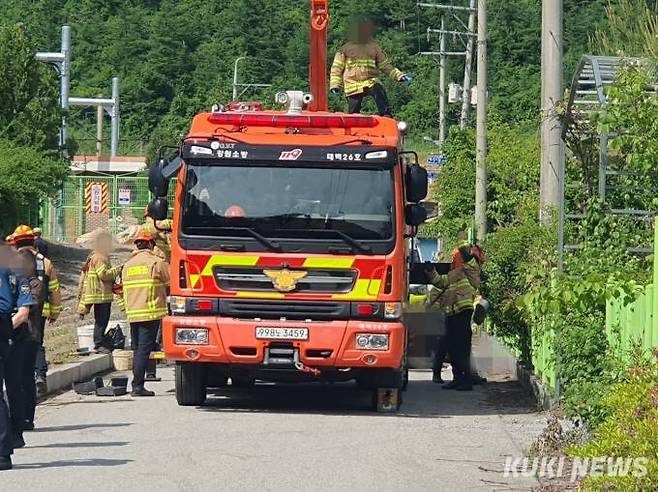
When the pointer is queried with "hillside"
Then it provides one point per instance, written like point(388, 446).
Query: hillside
point(176, 57)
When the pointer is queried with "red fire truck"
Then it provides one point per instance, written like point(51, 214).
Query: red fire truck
point(290, 254)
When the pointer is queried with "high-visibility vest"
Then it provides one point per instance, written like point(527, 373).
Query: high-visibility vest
point(357, 65)
point(145, 280)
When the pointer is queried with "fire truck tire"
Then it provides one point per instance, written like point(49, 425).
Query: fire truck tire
point(190, 384)
point(405, 378)
point(381, 378)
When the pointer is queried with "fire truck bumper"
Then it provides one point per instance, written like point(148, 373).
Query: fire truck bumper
point(339, 344)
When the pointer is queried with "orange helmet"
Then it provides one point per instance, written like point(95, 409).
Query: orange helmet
point(235, 211)
point(23, 233)
point(144, 235)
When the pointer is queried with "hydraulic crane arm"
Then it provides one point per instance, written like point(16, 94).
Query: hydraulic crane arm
point(318, 55)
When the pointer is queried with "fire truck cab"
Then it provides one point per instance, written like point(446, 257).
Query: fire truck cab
point(289, 254)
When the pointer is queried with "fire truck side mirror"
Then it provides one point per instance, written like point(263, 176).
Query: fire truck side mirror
point(416, 181)
point(415, 215)
point(158, 184)
point(158, 208)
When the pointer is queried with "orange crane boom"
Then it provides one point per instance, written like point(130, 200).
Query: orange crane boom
point(318, 55)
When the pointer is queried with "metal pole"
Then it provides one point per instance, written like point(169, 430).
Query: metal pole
point(552, 147)
point(114, 136)
point(481, 127)
point(235, 77)
point(65, 82)
point(100, 113)
point(442, 86)
point(468, 67)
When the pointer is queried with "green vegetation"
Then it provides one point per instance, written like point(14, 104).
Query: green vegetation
point(29, 122)
point(628, 429)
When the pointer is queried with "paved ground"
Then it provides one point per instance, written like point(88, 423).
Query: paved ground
point(278, 438)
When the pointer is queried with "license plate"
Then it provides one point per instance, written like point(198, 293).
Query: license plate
point(270, 333)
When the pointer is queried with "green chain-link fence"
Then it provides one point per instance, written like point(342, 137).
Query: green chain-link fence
point(87, 203)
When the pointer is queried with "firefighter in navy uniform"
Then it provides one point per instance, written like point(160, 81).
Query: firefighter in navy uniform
point(145, 279)
point(15, 301)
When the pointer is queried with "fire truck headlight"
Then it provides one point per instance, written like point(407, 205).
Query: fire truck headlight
point(392, 310)
point(177, 304)
point(372, 341)
point(191, 336)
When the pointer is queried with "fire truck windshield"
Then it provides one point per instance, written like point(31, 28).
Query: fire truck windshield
point(290, 208)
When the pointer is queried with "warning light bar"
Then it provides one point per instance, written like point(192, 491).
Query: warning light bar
point(293, 121)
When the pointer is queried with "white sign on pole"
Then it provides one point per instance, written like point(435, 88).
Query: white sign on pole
point(124, 196)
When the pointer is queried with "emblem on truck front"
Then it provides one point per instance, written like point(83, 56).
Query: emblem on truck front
point(291, 155)
point(285, 280)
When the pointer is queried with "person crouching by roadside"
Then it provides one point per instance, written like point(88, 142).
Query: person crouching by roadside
point(145, 279)
point(96, 282)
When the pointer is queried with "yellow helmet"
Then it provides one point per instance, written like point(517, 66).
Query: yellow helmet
point(23, 233)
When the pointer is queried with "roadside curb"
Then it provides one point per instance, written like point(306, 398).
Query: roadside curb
point(62, 377)
point(497, 356)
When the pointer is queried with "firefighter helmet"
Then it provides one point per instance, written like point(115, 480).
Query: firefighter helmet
point(144, 235)
point(23, 233)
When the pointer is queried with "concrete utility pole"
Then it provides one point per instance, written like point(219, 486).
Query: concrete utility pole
point(552, 146)
point(442, 85)
point(100, 113)
point(481, 127)
point(468, 68)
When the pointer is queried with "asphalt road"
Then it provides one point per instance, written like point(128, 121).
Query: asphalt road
point(310, 437)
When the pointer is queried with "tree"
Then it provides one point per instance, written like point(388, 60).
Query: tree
point(29, 108)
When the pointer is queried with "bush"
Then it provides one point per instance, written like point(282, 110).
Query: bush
point(629, 429)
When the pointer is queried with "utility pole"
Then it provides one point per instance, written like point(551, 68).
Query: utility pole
point(100, 113)
point(481, 126)
point(468, 67)
point(62, 63)
point(442, 85)
point(552, 146)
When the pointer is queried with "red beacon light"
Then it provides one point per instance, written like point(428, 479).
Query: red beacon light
point(293, 121)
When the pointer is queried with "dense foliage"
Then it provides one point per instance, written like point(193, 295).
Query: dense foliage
point(628, 429)
point(175, 57)
point(29, 122)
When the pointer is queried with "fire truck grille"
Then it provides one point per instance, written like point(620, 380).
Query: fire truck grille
point(254, 279)
point(249, 309)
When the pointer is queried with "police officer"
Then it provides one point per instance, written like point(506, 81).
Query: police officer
point(15, 301)
point(145, 283)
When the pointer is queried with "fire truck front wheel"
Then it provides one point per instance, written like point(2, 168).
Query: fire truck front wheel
point(381, 378)
point(190, 384)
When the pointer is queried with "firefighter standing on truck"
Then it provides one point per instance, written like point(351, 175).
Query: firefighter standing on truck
point(145, 284)
point(457, 294)
point(48, 308)
point(96, 283)
point(358, 64)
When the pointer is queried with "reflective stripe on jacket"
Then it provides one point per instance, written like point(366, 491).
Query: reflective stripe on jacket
point(356, 67)
point(458, 288)
point(52, 308)
point(145, 283)
point(96, 281)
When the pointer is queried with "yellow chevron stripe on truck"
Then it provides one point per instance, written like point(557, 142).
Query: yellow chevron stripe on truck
point(228, 260)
